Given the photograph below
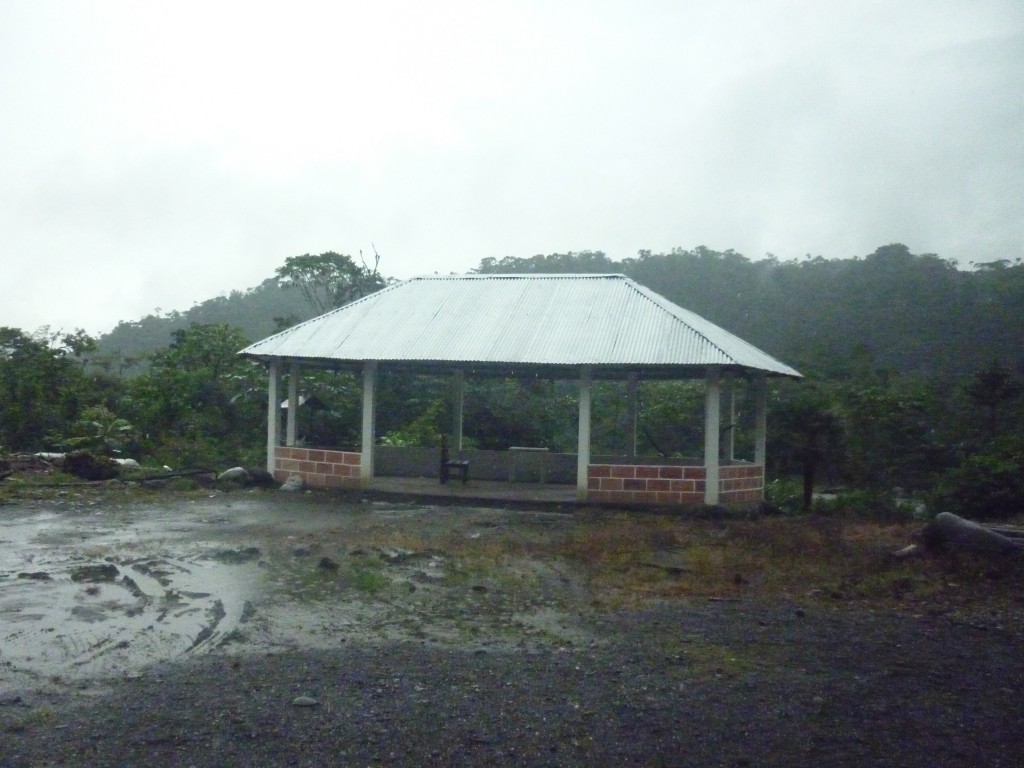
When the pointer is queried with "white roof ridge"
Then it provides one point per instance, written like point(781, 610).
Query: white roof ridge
point(518, 275)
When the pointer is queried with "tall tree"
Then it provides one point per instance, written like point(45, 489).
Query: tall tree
point(806, 433)
point(42, 385)
point(198, 396)
point(989, 389)
point(331, 280)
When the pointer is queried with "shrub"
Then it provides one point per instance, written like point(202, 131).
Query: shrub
point(100, 430)
point(866, 505)
point(785, 494)
point(985, 486)
point(91, 467)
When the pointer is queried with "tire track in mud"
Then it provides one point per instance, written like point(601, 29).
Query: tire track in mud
point(171, 581)
point(94, 615)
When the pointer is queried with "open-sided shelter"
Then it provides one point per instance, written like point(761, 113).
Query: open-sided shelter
point(581, 327)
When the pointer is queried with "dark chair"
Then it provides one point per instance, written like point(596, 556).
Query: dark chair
point(451, 466)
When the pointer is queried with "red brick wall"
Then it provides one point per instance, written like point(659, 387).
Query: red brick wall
point(741, 484)
point(671, 485)
point(319, 468)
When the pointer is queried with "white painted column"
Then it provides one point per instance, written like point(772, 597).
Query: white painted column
point(273, 412)
point(712, 423)
point(730, 404)
point(632, 391)
point(583, 441)
point(369, 418)
point(458, 403)
point(293, 403)
point(760, 419)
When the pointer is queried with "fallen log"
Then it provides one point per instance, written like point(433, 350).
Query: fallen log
point(169, 475)
point(949, 530)
point(1010, 531)
point(211, 473)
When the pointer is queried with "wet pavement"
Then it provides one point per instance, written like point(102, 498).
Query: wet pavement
point(91, 589)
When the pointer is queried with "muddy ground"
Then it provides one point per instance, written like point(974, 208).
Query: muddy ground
point(261, 628)
point(101, 586)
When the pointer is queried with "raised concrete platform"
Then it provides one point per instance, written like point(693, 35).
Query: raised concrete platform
point(476, 491)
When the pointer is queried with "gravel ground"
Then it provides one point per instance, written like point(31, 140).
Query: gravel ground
point(695, 683)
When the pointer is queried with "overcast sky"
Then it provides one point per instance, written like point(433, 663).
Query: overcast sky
point(154, 155)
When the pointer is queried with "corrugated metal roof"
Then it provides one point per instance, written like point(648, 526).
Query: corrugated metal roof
point(544, 320)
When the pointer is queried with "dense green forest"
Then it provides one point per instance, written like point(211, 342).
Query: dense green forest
point(915, 314)
point(913, 370)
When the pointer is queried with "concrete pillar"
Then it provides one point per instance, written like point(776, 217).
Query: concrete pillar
point(729, 452)
point(583, 441)
point(293, 403)
point(712, 423)
point(458, 403)
point(632, 401)
point(369, 418)
point(273, 412)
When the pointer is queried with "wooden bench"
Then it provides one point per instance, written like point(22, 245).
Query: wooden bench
point(451, 466)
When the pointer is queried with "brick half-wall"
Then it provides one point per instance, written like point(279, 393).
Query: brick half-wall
point(317, 467)
point(741, 484)
point(672, 485)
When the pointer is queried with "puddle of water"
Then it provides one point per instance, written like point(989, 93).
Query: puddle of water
point(79, 599)
point(15, 534)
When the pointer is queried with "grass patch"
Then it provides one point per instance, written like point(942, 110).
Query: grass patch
point(369, 581)
point(37, 485)
point(182, 484)
point(631, 558)
point(42, 717)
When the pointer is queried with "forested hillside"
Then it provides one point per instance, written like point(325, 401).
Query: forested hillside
point(258, 312)
point(915, 314)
